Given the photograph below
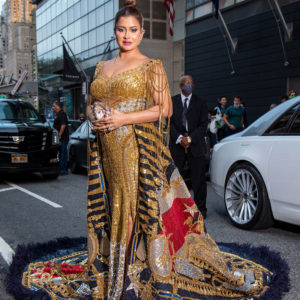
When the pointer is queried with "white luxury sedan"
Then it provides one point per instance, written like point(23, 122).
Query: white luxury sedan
point(257, 171)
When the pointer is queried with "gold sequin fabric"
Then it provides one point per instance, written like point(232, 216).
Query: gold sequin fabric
point(170, 256)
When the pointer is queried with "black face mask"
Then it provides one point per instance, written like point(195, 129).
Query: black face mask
point(187, 89)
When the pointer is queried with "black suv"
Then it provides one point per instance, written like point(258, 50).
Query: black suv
point(27, 142)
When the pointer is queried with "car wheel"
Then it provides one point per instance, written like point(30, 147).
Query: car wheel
point(50, 175)
point(73, 163)
point(246, 198)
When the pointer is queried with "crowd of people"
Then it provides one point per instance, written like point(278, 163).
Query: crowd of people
point(225, 120)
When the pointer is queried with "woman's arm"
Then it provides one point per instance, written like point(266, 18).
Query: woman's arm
point(118, 119)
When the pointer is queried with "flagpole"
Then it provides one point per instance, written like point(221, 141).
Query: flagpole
point(80, 66)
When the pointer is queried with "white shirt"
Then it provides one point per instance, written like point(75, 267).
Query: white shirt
point(187, 103)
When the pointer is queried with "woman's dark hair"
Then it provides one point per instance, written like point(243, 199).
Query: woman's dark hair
point(130, 10)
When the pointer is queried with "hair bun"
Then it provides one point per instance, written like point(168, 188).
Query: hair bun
point(130, 3)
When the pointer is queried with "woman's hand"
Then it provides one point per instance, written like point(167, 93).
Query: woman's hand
point(116, 120)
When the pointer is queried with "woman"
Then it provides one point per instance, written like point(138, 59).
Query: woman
point(219, 111)
point(146, 238)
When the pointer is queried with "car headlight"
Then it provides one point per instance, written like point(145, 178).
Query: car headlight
point(55, 137)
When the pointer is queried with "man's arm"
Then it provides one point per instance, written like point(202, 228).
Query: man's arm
point(200, 131)
point(64, 124)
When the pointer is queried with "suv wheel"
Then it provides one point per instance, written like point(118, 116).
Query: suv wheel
point(246, 198)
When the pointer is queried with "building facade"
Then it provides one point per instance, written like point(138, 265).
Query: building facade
point(264, 66)
point(18, 39)
point(88, 26)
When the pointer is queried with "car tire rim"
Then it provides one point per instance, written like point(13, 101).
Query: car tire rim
point(241, 196)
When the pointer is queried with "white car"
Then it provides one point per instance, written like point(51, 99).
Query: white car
point(257, 171)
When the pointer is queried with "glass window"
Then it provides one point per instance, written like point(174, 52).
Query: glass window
point(91, 5)
point(203, 10)
point(64, 19)
point(70, 15)
point(92, 19)
point(83, 7)
point(38, 22)
point(147, 30)
point(59, 22)
point(189, 15)
point(100, 35)
point(92, 52)
point(84, 24)
point(77, 28)
point(282, 124)
point(77, 45)
point(158, 10)
point(108, 30)
point(109, 11)
point(144, 7)
point(92, 39)
point(77, 13)
point(100, 16)
point(190, 4)
point(70, 32)
point(85, 42)
point(295, 129)
point(159, 30)
point(54, 25)
point(100, 49)
point(198, 2)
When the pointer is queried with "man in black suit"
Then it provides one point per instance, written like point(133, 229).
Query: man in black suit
point(188, 128)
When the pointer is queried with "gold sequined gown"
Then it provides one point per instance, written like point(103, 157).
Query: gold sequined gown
point(170, 255)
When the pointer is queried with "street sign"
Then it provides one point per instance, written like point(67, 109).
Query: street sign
point(16, 87)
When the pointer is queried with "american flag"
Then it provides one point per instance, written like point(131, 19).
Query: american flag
point(169, 4)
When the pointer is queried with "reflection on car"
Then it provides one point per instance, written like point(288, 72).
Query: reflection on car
point(257, 171)
point(27, 143)
point(77, 147)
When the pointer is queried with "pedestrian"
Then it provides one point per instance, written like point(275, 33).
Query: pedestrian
point(243, 105)
point(234, 117)
point(219, 112)
point(187, 141)
point(284, 98)
point(292, 94)
point(81, 118)
point(61, 125)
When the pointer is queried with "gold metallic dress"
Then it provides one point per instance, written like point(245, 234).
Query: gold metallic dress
point(170, 255)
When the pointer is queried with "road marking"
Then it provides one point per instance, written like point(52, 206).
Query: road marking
point(34, 195)
point(6, 251)
point(7, 189)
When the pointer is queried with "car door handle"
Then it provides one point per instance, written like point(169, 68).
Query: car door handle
point(245, 144)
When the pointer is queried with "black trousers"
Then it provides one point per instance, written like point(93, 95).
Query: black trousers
point(197, 169)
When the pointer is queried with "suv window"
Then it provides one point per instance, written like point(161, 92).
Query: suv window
point(295, 128)
point(281, 126)
point(17, 111)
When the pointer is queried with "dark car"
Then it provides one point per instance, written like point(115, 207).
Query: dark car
point(27, 142)
point(78, 147)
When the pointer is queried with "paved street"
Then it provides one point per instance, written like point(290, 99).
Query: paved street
point(35, 210)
